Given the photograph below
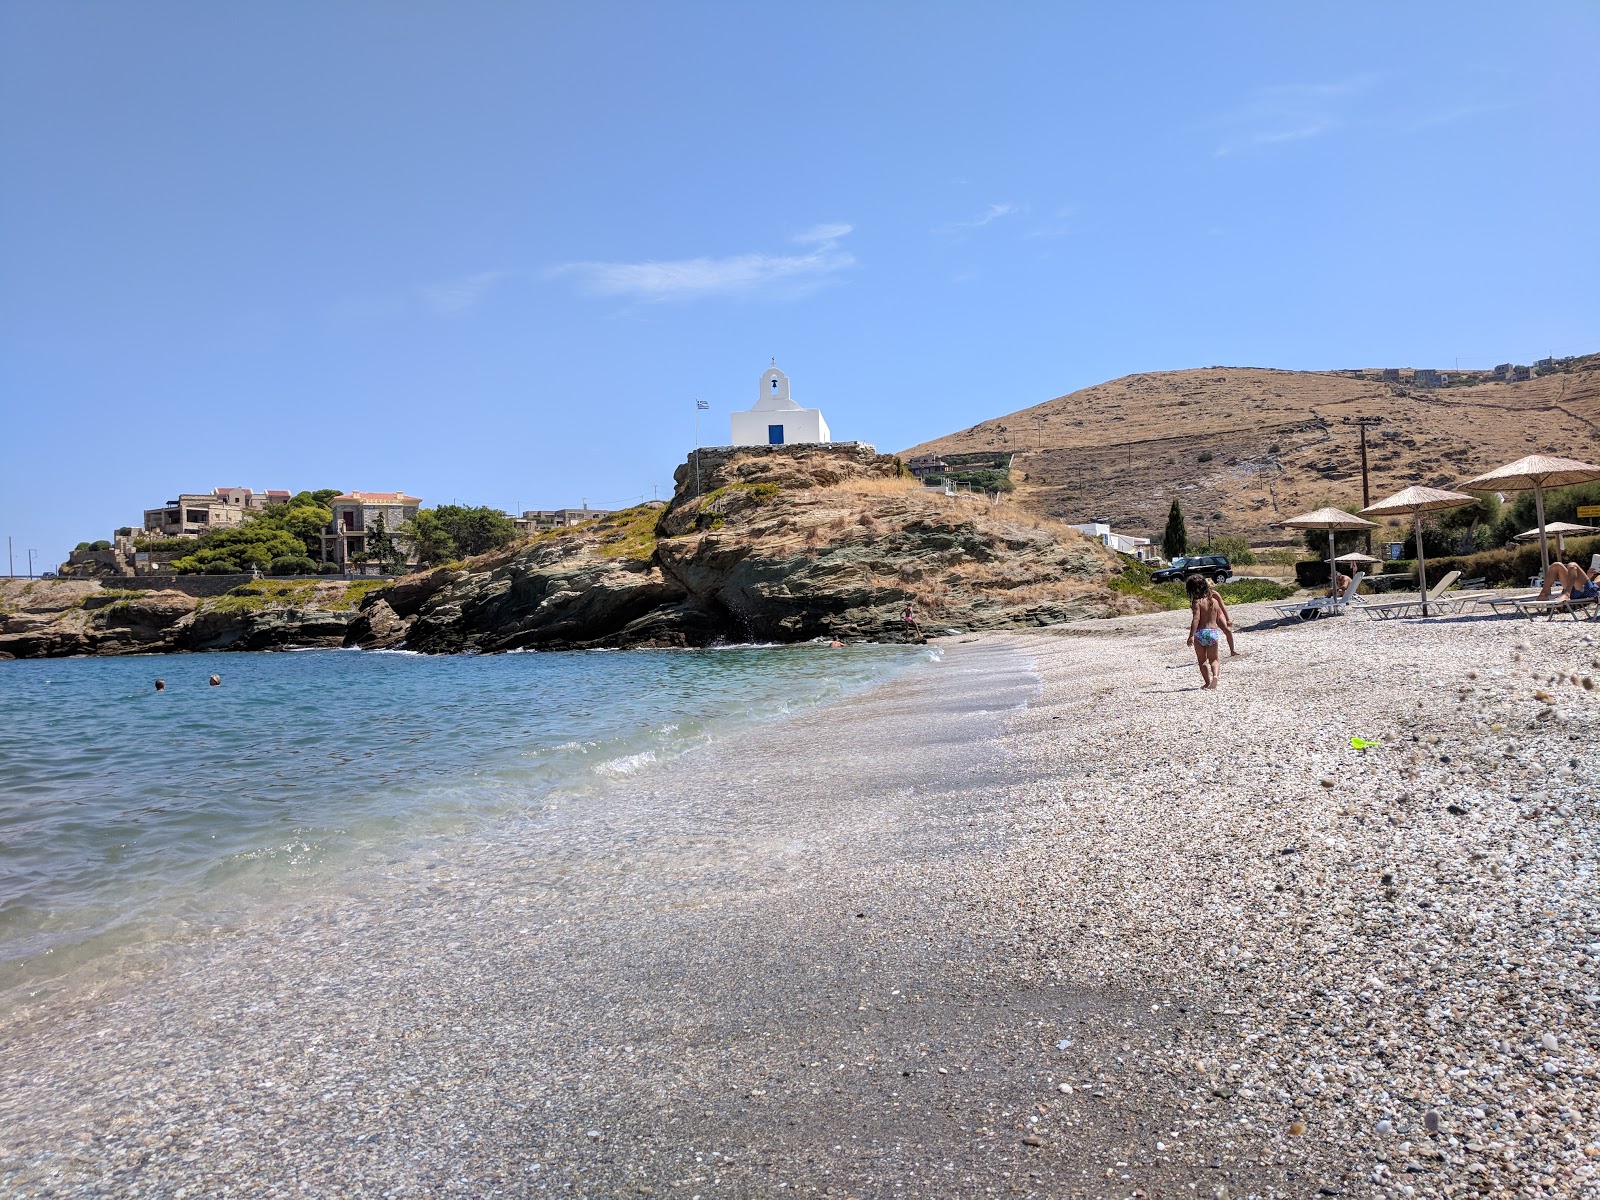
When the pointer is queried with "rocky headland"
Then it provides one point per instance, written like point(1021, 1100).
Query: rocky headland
point(777, 544)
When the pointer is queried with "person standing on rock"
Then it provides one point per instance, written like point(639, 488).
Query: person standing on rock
point(909, 619)
point(1204, 632)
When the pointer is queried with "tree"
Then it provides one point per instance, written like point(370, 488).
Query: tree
point(475, 530)
point(381, 548)
point(456, 531)
point(1174, 539)
point(430, 539)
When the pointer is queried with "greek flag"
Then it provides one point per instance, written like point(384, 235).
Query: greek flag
point(703, 405)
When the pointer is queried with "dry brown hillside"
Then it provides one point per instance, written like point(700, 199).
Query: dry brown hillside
point(1123, 450)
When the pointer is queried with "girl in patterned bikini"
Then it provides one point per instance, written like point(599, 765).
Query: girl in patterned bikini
point(1204, 633)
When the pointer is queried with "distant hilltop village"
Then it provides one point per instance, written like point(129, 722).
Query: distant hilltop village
point(344, 545)
point(1427, 377)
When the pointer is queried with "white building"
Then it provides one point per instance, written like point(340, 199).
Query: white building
point(776, 420)
point(1136, 547)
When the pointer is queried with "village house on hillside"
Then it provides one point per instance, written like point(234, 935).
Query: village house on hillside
point(541, 520)
point(199, 512)
point(356, 515)
point(1135, 547)
point(776, 420)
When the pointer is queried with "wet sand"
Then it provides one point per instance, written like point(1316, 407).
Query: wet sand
point(928, 942)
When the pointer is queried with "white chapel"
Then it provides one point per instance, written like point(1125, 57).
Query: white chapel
point(776, 420)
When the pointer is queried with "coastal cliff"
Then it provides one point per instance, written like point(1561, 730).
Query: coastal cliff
point(48, 618)
point(758, 544)
point(781, 544)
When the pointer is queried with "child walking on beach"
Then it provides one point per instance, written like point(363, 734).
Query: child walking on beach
point(1204, 632)
point(1224, 621)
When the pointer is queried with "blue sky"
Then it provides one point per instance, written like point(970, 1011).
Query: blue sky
point(492, 252)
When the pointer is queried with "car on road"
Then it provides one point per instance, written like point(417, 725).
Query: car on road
point(1211, 566)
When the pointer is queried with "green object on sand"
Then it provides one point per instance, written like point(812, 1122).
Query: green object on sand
point(1361, 743)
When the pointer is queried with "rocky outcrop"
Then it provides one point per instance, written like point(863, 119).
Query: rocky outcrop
point(766, 544)
point(59, 618)
point(779, 543)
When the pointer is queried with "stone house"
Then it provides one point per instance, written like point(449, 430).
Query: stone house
point(199, 512)
point(540, 520)
point(355, 515)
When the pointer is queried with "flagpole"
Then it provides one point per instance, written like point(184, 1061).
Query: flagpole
point(697, 447)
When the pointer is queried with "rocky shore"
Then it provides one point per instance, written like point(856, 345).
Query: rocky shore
point(777, 543)
point(1130, 939)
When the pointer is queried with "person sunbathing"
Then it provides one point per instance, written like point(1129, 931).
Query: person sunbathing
point(1581, 584)
point(1574, 582)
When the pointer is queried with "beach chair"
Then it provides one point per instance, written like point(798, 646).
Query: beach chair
point(1495, 600)
point(1322, 606)
point(1557, 604)
point(1440, 599)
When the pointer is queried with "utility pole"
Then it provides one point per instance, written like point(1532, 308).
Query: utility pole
point(1363, 424)
point(31, 553)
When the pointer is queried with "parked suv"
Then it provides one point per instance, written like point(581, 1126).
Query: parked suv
point(1213, 566)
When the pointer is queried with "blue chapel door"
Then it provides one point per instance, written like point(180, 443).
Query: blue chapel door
point(774, 435)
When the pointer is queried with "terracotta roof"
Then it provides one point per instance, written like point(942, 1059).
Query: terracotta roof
point(276, 492)
point(376, 498)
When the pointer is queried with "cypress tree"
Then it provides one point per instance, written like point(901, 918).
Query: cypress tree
point(1174, 539)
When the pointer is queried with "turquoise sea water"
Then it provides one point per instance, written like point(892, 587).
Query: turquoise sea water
point(127, 814)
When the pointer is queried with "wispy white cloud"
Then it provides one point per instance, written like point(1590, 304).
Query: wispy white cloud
point(1449, 116)
point(988, 216)
point(1275, 116)
point(824, 233)
point(656, 280)
point(458, 295)
point(1060, 225)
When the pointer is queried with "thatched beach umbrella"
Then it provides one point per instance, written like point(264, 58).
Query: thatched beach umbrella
point(1355, 556)
point(1562, 529)
point(1416, 501)
point(1334, 520)
point(1537, 471)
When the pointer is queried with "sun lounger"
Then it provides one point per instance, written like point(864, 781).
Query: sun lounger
point(1495, 601)
point(1532, 608)
point(1440, 599)
point(1322, 606)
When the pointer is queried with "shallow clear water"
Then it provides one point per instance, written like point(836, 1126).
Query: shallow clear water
point(126, 814)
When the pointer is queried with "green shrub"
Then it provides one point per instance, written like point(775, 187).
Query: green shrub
point(125, 531)
point(1281, 556)
point(1249, 591)
point(1510, 567)
point(1400, 566)
point(220, 566)
point(1236, 548)
point(292, 564)
point(328, 568)
point(1205, 456)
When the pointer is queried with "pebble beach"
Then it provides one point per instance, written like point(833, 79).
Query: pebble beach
point(1043, 919)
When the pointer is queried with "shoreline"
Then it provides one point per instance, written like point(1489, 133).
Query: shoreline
point(845, 958)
